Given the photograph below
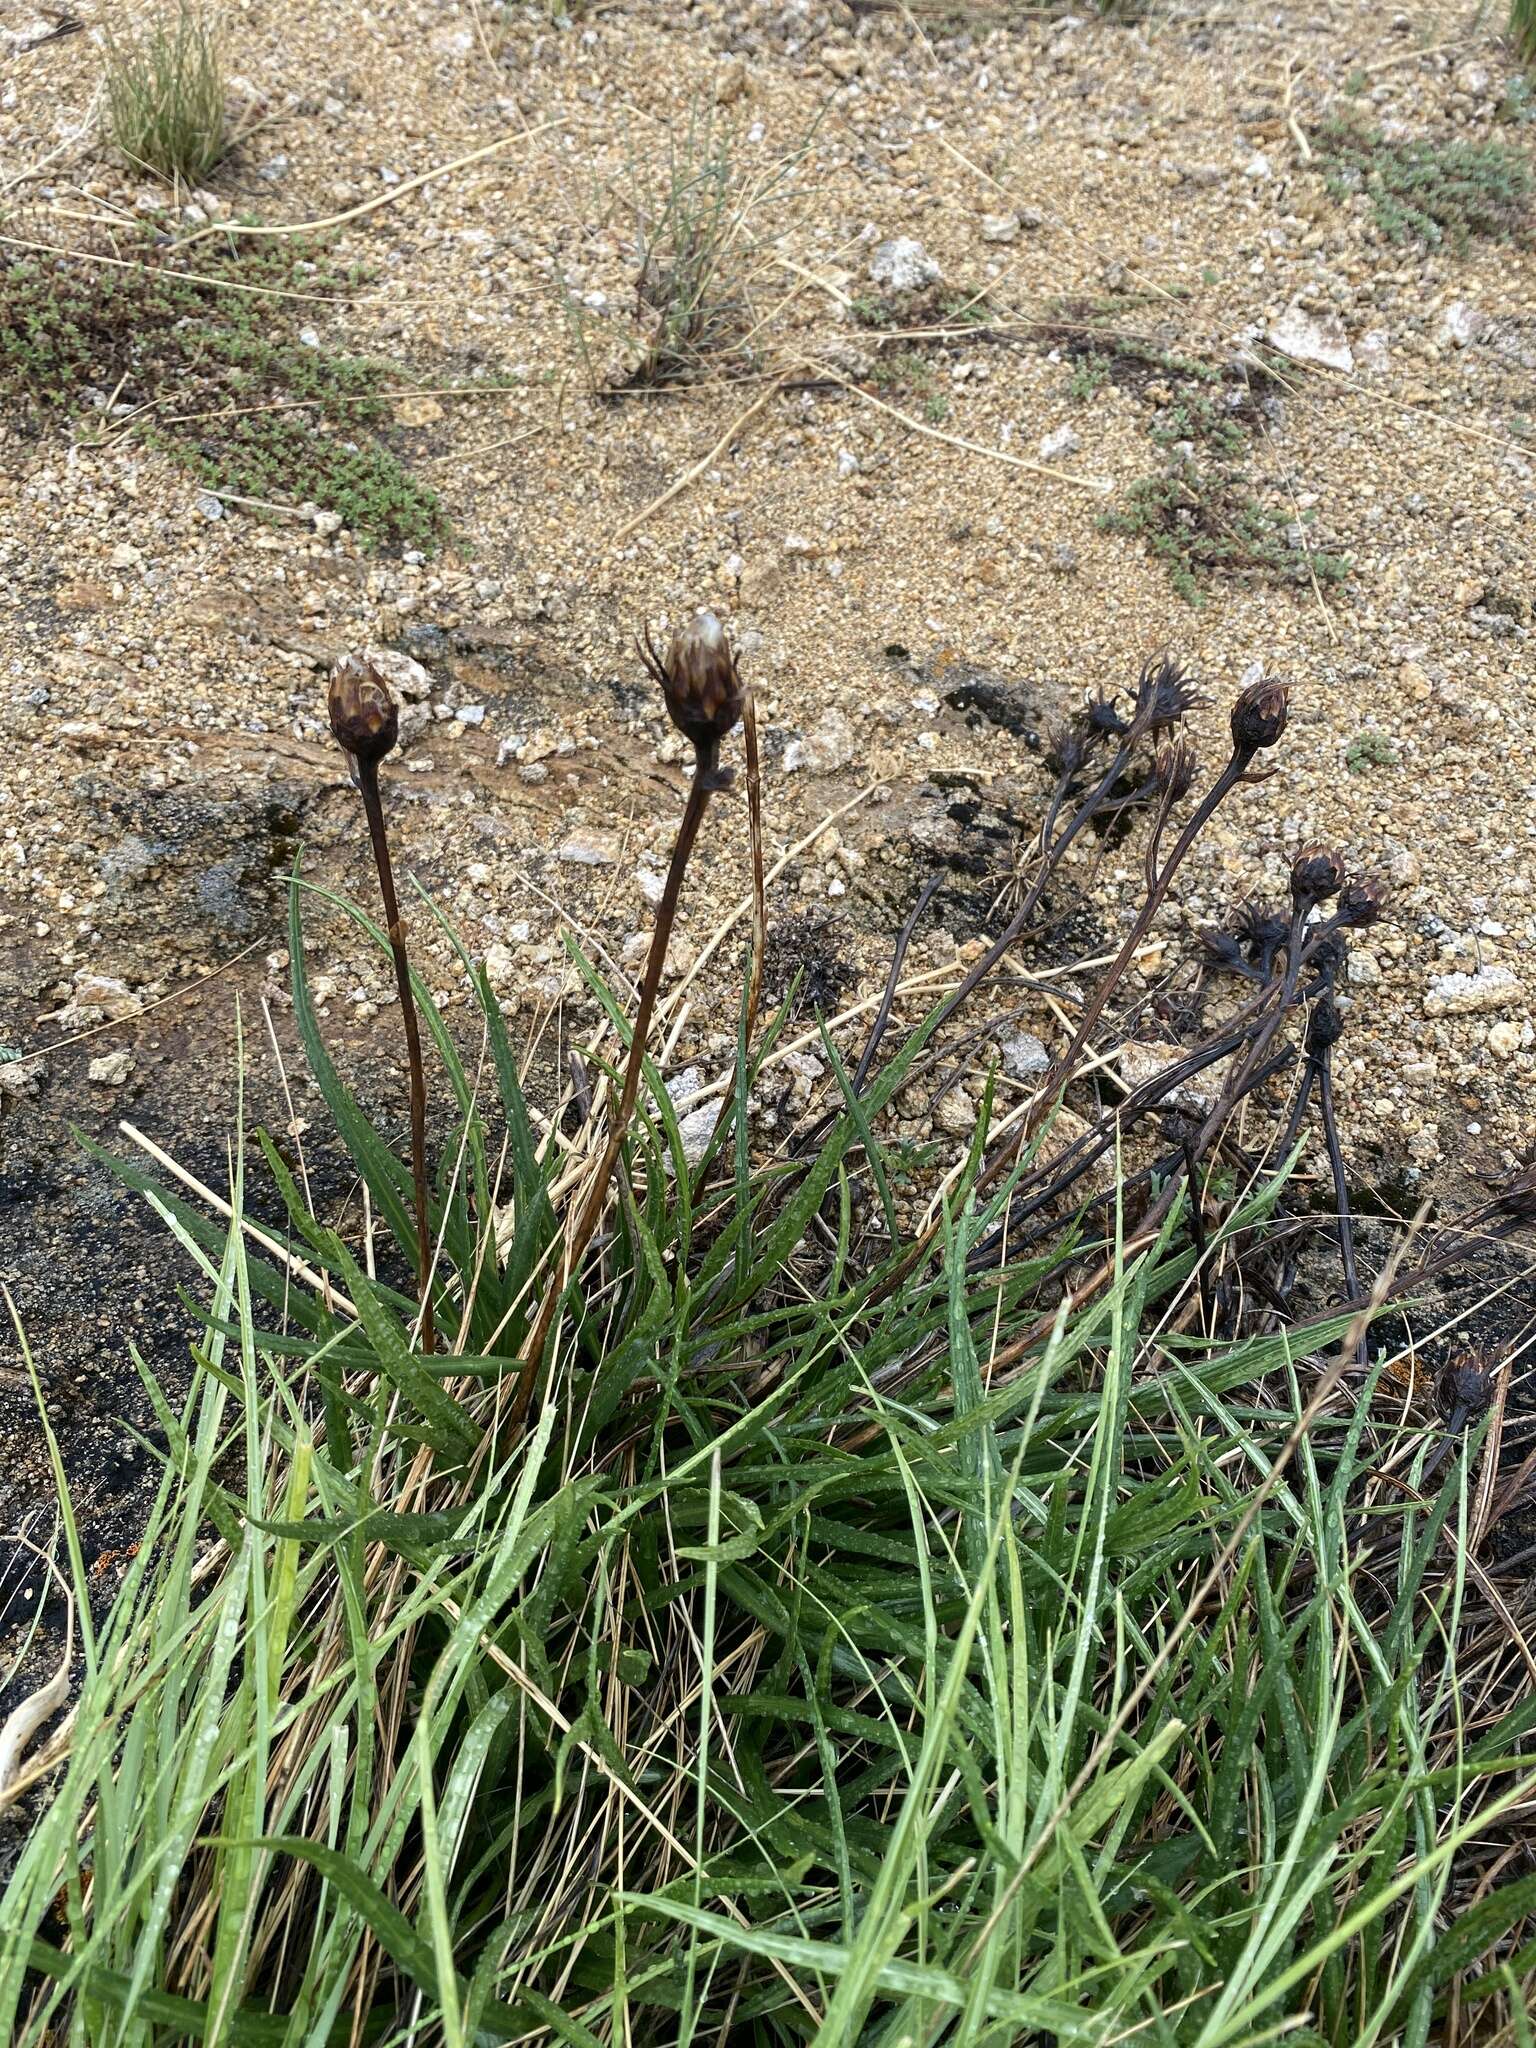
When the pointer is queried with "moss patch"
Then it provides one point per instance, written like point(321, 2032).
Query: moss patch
point(1431, 192)
point(210, 357)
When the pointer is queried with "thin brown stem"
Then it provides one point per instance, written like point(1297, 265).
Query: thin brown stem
point(373, 807)
point(706, 779)
point(755, 835)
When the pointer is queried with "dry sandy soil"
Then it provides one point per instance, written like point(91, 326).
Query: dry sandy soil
point(875, 539)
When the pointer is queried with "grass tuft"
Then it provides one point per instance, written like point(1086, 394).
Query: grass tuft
point(929, 1599)
point(166, 96)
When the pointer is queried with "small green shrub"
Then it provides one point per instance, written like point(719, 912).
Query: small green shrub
point(909, 371)
point(1202, 522)
point(696, 215)
point(165, 97)
point(1522, 28)
point(218, 377)
point(1369, 750)
point(1198, 513)
point(1432, 192)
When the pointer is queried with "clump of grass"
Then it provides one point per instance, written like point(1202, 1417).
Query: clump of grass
point(211, 363)
point(696, 219)
point(908, 371)
point(981, 1610)
point(1369, 750)
point(1522, 28)
point(166, 96)
point(1431, 192)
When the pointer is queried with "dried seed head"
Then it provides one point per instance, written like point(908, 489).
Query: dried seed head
point(1103, 717)
point(1325, 1026)
point(1317, 873)
point(1176, 769)
point(699, 681)
point(1163, 695)
point(1465, 1387)
point(1262, 930)
point(1067, 750)
point(1258, 717)
point(1360, 903)
point(1223, 948)
point(1517, 1197)
point(364, 717)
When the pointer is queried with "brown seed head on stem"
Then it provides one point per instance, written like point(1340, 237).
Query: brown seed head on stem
point(1317, 873)
point(1176, 768)
point(699, 681)
point(364, 717)
point(1259, 717)
point(1360, 903)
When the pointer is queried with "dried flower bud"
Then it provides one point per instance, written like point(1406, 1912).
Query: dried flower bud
point(364, 717)
point(1176, 769)
point(1258, 717)
point(1224, 949)
point(699, 681)
point(1360, 903)
point(1465, 1388)
point(1325, 1027)
point(1103, 716)
point(1317, 873)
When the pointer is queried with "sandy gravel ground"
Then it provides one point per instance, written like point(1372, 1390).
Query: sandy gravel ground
point(161, 668)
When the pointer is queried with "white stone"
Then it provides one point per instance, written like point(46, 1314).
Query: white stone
point(828, 748)
point(903, 265)
point(1000, 227)
point(1312, 338)
point(590, 849)
point(1463, 995)
point(1065, 441)
point(1461, 324)
point(408, 679)
point(500, 966)
point(112, 1069)
point(1024, 1055)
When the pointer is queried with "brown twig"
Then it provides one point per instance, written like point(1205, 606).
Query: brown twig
point(759, 887)
point(704, 699)
point(366, 723)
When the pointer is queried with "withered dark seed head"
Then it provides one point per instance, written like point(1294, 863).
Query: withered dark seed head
point(699, 681)
point(1360, 903)
point(1517, 1197)
point(1259, 716)
point(1104, 717)
point(1465, 1386)
point(1262, 930)
point(1317, 873)
point(1163, 695)
point(1068, 749)
point(1223, 948)
point(1176, 768)
point(364, 717)
point(1325, 1026)
point(1330, 953)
